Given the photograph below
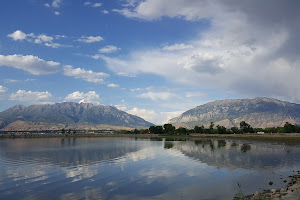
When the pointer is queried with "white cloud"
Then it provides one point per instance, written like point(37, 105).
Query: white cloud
point(31, 97)
point(125, 74)
point(2, 89)
point(112, 85)
point(157, 95)
point(47, 5)
point(177, 47)
point(148, 115)
point(43, 38)
point(3, 92)
point(17, 35)
point(56, 3)
point(39, 39)
point(108, 49)
point(136, 89)
point(89, 97)
point(10, 81)
point(195, 94)
point(90, 39)
point(60, 36)
point(157, 118)
point(105, 12)
point(57, 13)
point(56, 45)
point(250, 48)
point(90, 76)
point(87, 3)
point(154, 9)
point(97, 5)
point(121, 107)
point(29, 63)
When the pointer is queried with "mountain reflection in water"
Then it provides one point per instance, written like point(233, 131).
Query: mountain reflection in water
point(130, 168)
point(231, 153)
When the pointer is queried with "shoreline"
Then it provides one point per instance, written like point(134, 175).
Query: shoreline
point(290, 192)
point(278, 136)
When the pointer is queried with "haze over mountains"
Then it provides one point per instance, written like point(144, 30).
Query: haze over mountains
point(68, 115)
point(258, 112)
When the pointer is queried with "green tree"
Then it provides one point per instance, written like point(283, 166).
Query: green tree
point(169, 128)
point(199, 129)
point(245, 127)
point(135, 131)
point(270, 130)
point(144, 131)
point(181, 130)
point(63, 131)
point(210, 129)
point(221, 129)
point(289, 128)
point(211, 126)
point(156, 129)
point(235, 130)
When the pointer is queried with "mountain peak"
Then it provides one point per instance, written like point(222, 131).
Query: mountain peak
point(258, 112)
point(70, 113)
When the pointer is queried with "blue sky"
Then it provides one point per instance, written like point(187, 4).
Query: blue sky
point(151, 58)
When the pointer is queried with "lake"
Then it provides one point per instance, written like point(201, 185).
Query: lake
point(131, 168)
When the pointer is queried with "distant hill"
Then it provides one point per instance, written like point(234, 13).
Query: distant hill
point(258, 112)
point(68, 115)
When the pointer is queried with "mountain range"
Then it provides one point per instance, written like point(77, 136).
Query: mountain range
point(68, 115)
point(259, 112)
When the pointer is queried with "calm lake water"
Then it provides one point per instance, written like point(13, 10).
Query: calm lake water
point(129, 168)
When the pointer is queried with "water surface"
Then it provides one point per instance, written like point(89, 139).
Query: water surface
point(129, 168)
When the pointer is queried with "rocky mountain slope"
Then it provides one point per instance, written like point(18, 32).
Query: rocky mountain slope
point(258, 112)
point(67, 115)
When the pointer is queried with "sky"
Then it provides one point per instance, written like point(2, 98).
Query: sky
point(151, 58)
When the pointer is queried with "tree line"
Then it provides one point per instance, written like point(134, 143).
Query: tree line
point(244, 127)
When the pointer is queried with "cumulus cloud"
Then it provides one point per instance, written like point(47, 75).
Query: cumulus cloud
point(87, 3)
point(87, 75)
point(105, 12)
point(17, 35)
point(90, 39)
point(38, 39)
point(31, 97)
point(56, 13)
point(108, 49)
point(29, 63)
point(251, 47)
point(153, 116)
point(43, 38)
point(89, 97)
